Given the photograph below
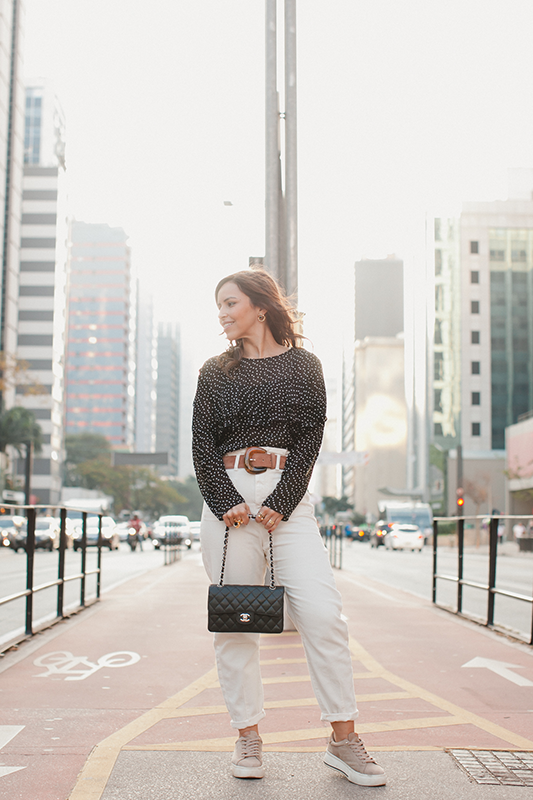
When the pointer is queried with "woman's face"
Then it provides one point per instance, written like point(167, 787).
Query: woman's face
point(236, 313)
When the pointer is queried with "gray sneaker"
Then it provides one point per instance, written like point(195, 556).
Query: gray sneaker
point(247, 761)
point(350, 757)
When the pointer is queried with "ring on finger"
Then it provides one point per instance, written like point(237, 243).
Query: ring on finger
point(237, 523)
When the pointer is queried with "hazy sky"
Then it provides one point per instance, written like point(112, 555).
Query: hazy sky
point(403, 107)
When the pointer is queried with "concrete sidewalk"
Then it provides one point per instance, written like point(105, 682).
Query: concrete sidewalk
point(122, 701)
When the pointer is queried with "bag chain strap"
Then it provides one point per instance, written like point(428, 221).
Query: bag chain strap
point(225, 553)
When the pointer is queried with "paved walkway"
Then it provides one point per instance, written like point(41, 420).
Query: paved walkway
point(122, 702)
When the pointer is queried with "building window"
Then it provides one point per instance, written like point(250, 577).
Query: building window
point(476, 398)
point(438, 429)
point(474, 247)
point(438, 400)
point(474, 337)
point(438, 331)
point(439, 297)
point(518, 255)
point(437, 230)
point(476, 429)
point(474, 306)
point(438, 262)
point(474, 276)
point(476, 368)
point(497, 255)
point(438, 366)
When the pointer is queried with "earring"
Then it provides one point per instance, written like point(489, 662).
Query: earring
point(261, 317)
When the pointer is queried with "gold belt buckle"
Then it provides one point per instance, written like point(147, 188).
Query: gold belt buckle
point(248, 458)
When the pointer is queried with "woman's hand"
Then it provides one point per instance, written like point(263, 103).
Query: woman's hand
point(268, 519)
point(237, 514)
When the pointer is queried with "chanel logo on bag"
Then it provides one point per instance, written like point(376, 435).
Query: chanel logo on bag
point(245, 617)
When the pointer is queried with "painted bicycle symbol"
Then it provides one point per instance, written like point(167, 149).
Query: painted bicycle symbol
point(78, 668)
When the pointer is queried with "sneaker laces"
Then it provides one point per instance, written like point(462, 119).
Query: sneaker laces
point(360, 750)
point(251, 747)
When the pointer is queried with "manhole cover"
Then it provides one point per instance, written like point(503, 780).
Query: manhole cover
point(496, 767)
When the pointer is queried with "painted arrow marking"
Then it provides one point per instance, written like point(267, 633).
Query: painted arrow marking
point(8, 732)
point(501, 668)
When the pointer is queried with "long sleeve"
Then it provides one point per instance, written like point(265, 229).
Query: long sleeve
point(305, 449)
point(215, 485)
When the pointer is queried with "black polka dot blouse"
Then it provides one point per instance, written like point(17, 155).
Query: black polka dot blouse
point(265, 402)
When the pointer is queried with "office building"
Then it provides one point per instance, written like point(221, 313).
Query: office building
point(145, 376)
point(485, 384)
point(378, 334)
point(41, 292)
point(100, 361)
point(168, 396)
point(11, 162)
point(380, 420)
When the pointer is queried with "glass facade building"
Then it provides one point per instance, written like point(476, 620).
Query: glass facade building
point(511, 312)
point(100, 363)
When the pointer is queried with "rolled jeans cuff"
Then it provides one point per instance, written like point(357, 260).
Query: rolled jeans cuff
point(248, 722)
point(340, 717)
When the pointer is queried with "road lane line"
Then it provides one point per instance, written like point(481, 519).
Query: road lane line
point(98, 767)
point(468, 717)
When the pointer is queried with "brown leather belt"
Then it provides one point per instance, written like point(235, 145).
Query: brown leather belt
point(255, 460)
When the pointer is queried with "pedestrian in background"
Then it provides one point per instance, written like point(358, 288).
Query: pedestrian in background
point(266, 391)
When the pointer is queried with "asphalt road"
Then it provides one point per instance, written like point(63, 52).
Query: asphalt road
point(117, 566)
point(412, 572)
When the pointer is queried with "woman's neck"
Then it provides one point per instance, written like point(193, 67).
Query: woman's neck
point(262, 346)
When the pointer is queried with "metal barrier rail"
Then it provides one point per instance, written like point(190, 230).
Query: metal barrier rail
point(31, 589)
point(333, 536)
point(490, 586)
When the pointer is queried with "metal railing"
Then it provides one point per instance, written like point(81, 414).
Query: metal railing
point(31, 589)
point(333, 536)
point(489, 587)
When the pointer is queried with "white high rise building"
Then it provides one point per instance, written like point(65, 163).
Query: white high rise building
point(42, 278)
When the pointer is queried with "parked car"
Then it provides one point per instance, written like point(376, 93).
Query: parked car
point(194, 529)
point(172, 529)
point(6, 526)
point(110, 537)
point(377, 537)
point(404, 537)
point(46, 534)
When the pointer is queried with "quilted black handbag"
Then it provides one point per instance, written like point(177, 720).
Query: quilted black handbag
point(245, 609)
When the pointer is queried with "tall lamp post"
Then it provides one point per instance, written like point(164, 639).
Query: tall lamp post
point(281, 201)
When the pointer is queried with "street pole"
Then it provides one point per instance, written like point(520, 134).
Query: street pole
point(291, 185)
point(281, 208)
point(27, 472)
point(272, 155)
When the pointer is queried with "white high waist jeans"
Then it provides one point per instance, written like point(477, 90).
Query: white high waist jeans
point(302, 566)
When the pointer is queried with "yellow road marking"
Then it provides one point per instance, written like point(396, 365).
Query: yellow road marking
point(198, 711)
point(98, 767)
point(226, 743)
point(95, 774)
point(467, 716)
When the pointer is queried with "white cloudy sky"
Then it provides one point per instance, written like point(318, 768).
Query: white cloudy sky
point(404, 107)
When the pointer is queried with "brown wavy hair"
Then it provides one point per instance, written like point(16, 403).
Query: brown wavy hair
point(281, 316)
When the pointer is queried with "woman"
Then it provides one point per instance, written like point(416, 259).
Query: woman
point(267, 392)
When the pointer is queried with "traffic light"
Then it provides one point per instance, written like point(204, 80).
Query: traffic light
point(460, 499)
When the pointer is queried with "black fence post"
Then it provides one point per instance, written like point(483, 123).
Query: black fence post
point(83, 556)
point(493, 548)
point(460, 554)
point(61, 563)
point(435, 537)
point(99, 556)
point(30, 556)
